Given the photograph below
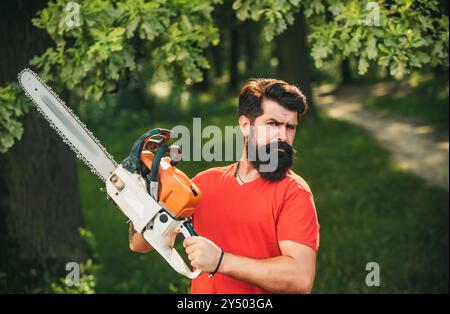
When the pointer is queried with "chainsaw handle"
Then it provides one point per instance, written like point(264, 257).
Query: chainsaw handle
point(187, 230)
point(152, 144)
point(162, 238)
point(132, 162)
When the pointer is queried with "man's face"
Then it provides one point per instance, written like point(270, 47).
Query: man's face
point(275, 124)
point(270, 139)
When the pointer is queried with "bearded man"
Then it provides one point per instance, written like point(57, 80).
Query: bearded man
point(257, 219)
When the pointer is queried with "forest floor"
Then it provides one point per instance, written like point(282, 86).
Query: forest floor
point(415, 145)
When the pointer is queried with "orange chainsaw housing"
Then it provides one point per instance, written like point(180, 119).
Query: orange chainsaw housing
point(176, 191)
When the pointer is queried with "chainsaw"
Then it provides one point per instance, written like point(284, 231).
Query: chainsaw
point(157, 198)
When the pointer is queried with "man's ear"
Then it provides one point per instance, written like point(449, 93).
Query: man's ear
point(244, 124)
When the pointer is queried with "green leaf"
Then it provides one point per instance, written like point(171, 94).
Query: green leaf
point(423, 57)
point(372, 50)
point(132, 25)
point(398, 70)
point(363, 65)
point(116, 32)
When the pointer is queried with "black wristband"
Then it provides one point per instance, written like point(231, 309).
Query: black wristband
point(218, 265)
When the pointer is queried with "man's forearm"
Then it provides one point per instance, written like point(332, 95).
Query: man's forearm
point(278, 274)
point(137, 241)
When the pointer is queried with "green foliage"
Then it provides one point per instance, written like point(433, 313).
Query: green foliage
point(114, 39)
point(13, 104)
point(183, 287)
point(400, 35)
point(108, 46)
point(86, 284)
point(275, 14)
point(89, 237)
point(88, 270)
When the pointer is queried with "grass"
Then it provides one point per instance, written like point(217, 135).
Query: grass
point(369, 211)
point(372, 212)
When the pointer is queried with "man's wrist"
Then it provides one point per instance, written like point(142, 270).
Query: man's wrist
point(219, 263)
point(225, 265)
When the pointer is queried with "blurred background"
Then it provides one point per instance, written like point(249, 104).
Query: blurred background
point(374, 146)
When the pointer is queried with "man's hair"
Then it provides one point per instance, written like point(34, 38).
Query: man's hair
point(255, 90)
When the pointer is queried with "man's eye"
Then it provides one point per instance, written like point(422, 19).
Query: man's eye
point(273, 123)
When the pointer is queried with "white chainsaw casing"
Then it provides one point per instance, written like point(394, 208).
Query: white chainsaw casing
point(158, 227)
point(130, 195)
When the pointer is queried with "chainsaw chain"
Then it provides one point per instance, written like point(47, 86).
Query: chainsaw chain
point(65, 140)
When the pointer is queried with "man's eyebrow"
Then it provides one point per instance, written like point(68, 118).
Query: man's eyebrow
point(291, 125)
point(278, 122)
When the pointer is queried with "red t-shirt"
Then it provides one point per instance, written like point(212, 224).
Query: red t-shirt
point(249, 220)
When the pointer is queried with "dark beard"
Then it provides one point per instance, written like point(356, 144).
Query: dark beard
point(285, 160)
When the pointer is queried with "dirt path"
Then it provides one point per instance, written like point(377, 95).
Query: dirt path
point(415, 146)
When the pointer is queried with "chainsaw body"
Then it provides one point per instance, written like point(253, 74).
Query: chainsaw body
point(159, 206)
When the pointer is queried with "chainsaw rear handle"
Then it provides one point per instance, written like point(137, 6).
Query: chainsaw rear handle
point(161, 233)
point(187, 230)
point(190, 229)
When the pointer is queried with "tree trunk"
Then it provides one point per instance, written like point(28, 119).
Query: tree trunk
point(206, 82)
point(39, 202)
point(217, 60)
point(444, 6)
point(346, 72)
point(294, 62)
point(251, 44)
point(234, 57)
point(222, 16)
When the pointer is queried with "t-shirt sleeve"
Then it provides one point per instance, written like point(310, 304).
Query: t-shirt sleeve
point(297, 220)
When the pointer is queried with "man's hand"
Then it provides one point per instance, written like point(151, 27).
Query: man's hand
point(137, 242)
point(202, 253)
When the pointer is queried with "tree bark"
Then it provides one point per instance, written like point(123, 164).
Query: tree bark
point(346, 72)
point(234, 57)
point(40, 209)
point(251, 44)
point(217, 60)
point(294, 59)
